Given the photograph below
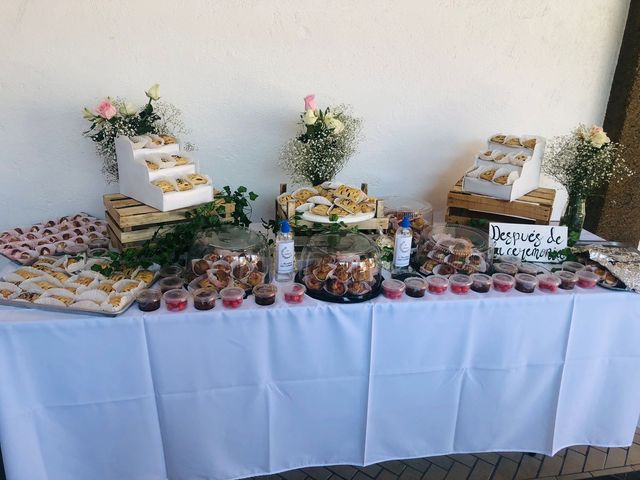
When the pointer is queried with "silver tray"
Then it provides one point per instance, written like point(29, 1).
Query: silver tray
point(53, 308)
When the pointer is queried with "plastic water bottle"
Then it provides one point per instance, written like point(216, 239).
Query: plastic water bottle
point(285, 253)
point(402, 247)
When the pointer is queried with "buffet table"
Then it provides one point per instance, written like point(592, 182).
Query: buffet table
point(228, 394)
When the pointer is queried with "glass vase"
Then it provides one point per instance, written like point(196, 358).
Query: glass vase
point(573, 217)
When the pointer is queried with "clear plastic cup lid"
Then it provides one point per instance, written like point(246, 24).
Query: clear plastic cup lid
point(149, 294)
point(175, 294)
point(295, 289)
point(504, 278)
point(265, 290)
point(526, 278)
point(416, 283)
point(437, 281)
point(460, 279)
point(205, 294)
point(170, 282)
point(567, 275)
point(587, 275)
point(393, 285)
point(232, 293)
point(480, 277)
point(549, 278)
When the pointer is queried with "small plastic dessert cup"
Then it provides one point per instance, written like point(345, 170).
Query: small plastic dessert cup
point(526, 283)
point(568, 280)
point(460, 284)
point(176, 300)
point(232, 297)
point(170, 283)
point(393, 289)
point(549, 282)
point(437, 285)
point(172, 270)
point(480, 282)
point(510, 259)
point(415, 287)
point(572, 266)
point(505, 267)
point(587, 279)
point(529, 268)
point(265, 294)
point(204, 298)
point(149, 299)
point(503, 282)
point(294, 293)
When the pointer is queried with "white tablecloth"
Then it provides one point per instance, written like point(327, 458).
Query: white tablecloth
point(228, 394)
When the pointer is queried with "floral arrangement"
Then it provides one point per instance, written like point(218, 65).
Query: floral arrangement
point(114, 117)
point(328, 139)
point(585, 161)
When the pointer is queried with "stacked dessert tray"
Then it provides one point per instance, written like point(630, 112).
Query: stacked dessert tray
point(153, 170)
point(508, 168)
point(56, 236)
point(71, 284)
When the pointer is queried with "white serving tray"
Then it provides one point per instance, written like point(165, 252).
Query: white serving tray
point(135, 178)
point(529, 173)
point(353, 218)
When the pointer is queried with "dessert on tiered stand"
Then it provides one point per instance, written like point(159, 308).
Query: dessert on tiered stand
point(154, 171)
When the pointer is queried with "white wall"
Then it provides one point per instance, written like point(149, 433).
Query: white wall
point(430, 78)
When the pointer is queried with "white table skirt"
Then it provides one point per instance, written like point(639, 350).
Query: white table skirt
point(229, 394)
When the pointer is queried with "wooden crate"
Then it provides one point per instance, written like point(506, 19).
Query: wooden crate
point(533, 208)
point(378, 222)
point(131, 223)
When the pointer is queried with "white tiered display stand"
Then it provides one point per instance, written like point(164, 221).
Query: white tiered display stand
point(529, 173)
point(135, 178)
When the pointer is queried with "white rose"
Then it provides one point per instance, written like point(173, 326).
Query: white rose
point(335, 125)
point(154, 92)
point(128, 109)
point(309, 117)
point(598, 139)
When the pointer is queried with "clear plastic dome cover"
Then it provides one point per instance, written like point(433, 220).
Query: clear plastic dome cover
point(230, 256)
point(341, 267)
point(449, 249)
point(420, 215)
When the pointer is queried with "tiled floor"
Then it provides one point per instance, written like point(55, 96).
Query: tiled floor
point(569, 464)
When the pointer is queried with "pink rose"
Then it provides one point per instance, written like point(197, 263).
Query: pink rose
point(595, 129)
point(105, 109)
point(310, 103)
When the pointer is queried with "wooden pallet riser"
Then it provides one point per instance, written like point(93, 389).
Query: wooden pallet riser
point(533, 208)
point(378, 222)
point(131, 223)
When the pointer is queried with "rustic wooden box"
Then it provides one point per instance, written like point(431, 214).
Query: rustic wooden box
point(131, 223)
point(533, 208)
point(373, 225)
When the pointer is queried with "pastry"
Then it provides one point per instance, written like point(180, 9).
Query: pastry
point(284, 198)
point(255, 278)
point(106, 287)
point(303, 194)
point(499, 156)
point(179, 159)
point(168, 139)
point(28, 296)
point(129, 287)
point(498, 138)
point(502, 179)
point(60, 276)
point(487, 175)
point(45, 285)
point(513, 142)
point(366, 207)
point(116, 276)
point(183, 185)
point(322, 210)
point(530, 143)
point(346, 204)
point(354, 194)
point(197, 179)
point(6, 293)
point(151, 165)
point(115, 300)
point(164, 185)
point(66, 300)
